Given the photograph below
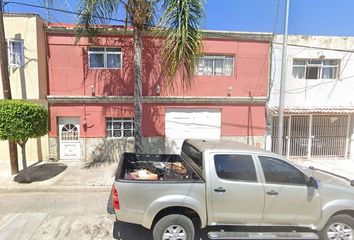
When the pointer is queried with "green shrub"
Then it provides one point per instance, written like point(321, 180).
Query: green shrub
point(20, 120)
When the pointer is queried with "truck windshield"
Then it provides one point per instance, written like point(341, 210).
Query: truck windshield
point(194, 154)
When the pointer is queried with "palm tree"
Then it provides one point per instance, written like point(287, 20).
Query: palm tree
point(179, 26)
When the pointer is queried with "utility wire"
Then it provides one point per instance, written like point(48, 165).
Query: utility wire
point(63, 11)
point(276, 18)
point(123, 21)
point(320, 48)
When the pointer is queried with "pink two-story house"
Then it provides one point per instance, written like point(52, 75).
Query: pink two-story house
point(91, 93)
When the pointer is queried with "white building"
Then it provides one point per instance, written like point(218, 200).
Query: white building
point(319, 97)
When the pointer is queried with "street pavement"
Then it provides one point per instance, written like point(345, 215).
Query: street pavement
point(64, 215)
point(42, 216)
point(64, 200)
point(67, 200)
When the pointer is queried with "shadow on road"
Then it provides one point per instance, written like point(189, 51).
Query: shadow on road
point(40, 172)
point(128, 231)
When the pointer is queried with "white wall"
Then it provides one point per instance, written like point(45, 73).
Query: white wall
point(310, 93)
point(314, 93)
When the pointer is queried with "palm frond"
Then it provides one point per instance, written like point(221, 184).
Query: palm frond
point(180, 25)
point(141, 12)
point(93, 13)
point(152, 12)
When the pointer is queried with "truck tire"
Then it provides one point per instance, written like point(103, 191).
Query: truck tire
point(340, 226)
point(174, 227)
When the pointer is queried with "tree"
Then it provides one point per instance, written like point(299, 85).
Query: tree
point(5, 79)
point(179, 27)
point(20, 120)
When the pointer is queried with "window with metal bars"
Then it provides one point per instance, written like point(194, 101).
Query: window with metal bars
point(120, 127)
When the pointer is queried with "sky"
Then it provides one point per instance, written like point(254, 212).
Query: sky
point(306, 17)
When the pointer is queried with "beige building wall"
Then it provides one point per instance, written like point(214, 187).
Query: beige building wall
point(30, 81)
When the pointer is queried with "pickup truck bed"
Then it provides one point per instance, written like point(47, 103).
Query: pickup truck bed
point(176, 184)
point(150, 167)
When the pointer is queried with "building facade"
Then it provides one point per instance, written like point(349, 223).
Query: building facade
point(91, 94)
point(319, 100)
point(26, 44)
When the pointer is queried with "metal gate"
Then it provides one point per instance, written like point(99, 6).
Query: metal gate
point(313, 135)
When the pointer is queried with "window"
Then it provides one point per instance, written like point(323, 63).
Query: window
point(109, 58)
point(279, 172)
point(194, 154)
point(120, 127)
point(69, 132)
point(15, 53)
point(315, 69)
point(235, 167)
point(215, 65)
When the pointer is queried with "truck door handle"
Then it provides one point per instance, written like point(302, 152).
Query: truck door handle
point(220, 190)
point(272, 193)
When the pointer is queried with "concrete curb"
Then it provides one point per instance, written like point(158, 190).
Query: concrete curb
point(51, 189)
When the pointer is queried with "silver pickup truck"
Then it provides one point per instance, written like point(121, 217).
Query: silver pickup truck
point(219, 183)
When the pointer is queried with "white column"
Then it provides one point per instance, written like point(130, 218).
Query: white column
point(351, 139)
point(309, 145)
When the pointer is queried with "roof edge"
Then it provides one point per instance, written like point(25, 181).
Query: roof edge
point(216, 34)
point(23, 15)
point(313, 109)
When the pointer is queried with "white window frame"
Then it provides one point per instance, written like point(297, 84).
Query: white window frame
point(320, 66)
point(10, 53)
point(105, 51)
point(112, 120)
point(214, 58)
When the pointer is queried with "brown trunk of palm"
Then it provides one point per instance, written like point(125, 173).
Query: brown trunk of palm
point(138, 72)
point(6, 87)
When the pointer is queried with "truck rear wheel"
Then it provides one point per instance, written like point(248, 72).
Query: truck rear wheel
point(338, 227)
point(174, 227)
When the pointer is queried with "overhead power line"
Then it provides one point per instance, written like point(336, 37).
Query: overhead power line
point(123, 21)
point(276, 17)
point(319, 48)
point(63, 11)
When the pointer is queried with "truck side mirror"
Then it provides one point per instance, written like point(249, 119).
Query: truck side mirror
point(312, 183)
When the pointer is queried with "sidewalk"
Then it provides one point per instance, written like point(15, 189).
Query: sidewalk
point(341, 167)
point(59, 176)
point(70, 176)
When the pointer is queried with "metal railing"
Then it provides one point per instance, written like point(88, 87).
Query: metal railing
point(313, 135)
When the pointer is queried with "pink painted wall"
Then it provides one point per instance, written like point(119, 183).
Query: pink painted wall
point(95, 116)
point(70, 76)
point(236, 120)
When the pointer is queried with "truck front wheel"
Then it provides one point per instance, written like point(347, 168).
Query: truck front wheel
point(174, 227)
point(338, 227)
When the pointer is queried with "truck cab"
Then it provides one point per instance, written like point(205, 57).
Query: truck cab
point(239, 185)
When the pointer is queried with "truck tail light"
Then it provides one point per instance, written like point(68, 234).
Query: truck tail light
point(115, 199)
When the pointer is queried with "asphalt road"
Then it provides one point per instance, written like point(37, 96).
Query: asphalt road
point(62, 215)
point(55, 215)
point(66, 215)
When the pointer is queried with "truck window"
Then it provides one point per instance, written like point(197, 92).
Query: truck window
point(235, 167)
point(280, 172)
point(194, 154)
